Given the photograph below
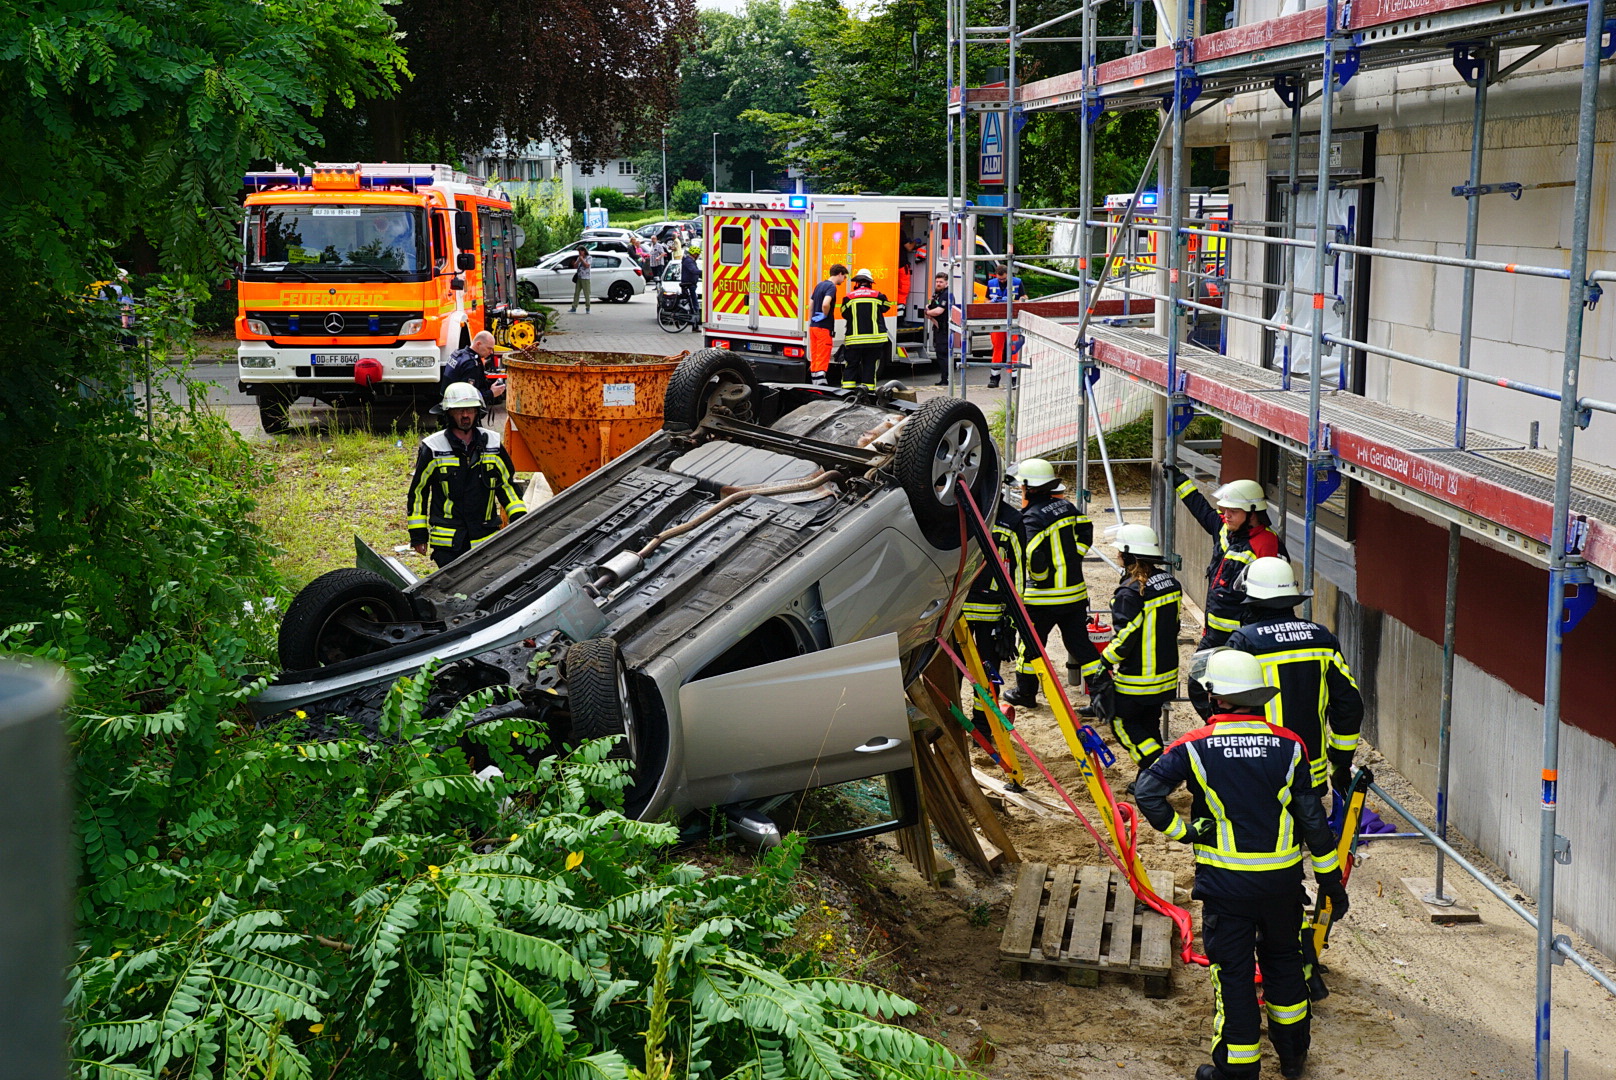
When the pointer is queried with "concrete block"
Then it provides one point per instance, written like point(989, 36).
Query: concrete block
point(1539, 309)
point(1428, 209)
point(1402, 292)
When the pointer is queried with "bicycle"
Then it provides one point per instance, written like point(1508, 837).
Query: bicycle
point(674, 313)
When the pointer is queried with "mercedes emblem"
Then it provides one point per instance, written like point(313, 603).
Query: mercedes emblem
point(334, 323)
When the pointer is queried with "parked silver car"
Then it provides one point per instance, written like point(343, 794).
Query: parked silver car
point(615, 278)
point(742, 598)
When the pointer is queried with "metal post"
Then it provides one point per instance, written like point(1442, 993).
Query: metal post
point(1085, 248)
point(941, 348)
point(1011, 168)
point(664, 175)
point(1176, 244)
point(1290, 232)
point(1467, 302)
point(1320, 250)
point(715, 161)
point(1561, 565)
point(1444, 737)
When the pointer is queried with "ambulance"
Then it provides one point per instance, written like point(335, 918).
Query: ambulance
point(359, 281)
point(764, 252)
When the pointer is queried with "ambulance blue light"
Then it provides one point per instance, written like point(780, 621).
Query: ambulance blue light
point(797, 202)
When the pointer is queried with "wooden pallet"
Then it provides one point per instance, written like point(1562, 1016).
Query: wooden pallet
point(1074, 923)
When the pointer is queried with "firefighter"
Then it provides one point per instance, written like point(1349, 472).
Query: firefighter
point(864, 314)
point(1317, 698)
point(462, 476)
point(1143, 657)
point(987, 607)
point(1002, 285)
point(1055, 538)
point(1251, 797)
point(1240, 533)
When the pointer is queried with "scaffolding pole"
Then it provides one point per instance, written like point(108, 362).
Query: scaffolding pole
point(1565, 563)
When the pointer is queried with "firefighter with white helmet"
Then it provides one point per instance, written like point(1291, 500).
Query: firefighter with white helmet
point(865, 341)
point(1057, 535)
point(1251, 801)
point(1318, 698)
point(1240, 534)
point(462, 474)
point(1143, 656)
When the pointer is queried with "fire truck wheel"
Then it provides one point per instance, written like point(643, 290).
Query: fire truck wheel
point(272, 406)
point(337, 616)
point(704, 378)
point(620, 292)
point(945, 446)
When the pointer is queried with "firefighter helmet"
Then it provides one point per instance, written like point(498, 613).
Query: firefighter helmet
point(1035, 472)
point(1236, 677)
point(461, 395)
point(1139, 541)
point(864, 275)
point(1244, 495)
point(1270, 578)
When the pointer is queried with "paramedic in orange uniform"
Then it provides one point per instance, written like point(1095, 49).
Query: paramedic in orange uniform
point(822, 323)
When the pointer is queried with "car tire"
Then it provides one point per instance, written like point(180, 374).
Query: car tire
point(699, 378)
point(946, 443)
point(272, 411)
point(597, 694)
point(620, 292)
point(310, 637)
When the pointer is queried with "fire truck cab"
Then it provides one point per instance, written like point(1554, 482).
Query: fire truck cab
point(359, 281)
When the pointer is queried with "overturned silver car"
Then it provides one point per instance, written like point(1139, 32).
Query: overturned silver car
point(742, 598)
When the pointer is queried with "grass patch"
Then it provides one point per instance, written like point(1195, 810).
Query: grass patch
point(327, 489)
point(636, 218)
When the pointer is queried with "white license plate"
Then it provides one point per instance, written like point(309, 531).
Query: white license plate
point(335, 358)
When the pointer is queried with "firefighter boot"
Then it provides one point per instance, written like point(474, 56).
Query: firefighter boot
point(1024, 693)
point(1291, 1068)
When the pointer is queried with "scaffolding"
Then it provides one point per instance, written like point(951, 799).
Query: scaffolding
point(1541, 505)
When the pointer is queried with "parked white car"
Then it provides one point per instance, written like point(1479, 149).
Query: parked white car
point(613, 278)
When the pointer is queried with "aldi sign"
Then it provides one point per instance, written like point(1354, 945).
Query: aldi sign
point(990, 154)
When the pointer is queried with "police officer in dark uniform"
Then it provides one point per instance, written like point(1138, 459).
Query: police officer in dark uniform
point(1252, 795)
point(1143, 657)
point(1056, 536)
point(986, 605)
point(1318, 698)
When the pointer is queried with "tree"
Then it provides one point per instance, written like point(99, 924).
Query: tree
point(601, 76)
point(875, 117)
point(757, 60)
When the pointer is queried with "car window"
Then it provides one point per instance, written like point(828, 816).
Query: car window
point(606, 261)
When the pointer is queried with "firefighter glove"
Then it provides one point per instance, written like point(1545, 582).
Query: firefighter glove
point(1340, 772)
point(1331, 889)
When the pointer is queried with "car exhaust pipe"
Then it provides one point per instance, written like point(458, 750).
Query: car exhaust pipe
point(753, 828)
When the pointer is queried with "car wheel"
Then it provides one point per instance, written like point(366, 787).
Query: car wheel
point(703, 379)
point(942, 447)
point(272, 415)
point(620, 292)
point(527, 293)
point(597, 693)
point(313, 633)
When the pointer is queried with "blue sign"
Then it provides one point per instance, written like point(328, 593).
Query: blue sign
point(990, 154)
point(595, 217)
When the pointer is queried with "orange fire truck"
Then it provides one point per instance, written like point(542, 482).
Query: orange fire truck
point(358, 281)
point(765, 252)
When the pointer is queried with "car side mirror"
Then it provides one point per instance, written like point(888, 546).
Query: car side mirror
point(465, 261)
point(464, 238)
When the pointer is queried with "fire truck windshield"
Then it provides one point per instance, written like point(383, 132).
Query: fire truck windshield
point(334, 241)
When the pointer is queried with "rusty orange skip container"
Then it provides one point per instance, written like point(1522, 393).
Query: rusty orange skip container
point(569, 413)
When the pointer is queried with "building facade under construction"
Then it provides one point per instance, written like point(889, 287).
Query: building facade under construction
point(1395, 308)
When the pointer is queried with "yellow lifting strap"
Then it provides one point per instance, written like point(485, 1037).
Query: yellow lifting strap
point(979, 675)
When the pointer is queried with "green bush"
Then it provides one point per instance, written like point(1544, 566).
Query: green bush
point(686, 197)
point(549, 225)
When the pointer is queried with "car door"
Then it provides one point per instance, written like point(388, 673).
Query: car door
point(834, 715)
point(555, 278)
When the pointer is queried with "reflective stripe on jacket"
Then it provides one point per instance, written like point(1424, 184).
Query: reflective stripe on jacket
point(1318, 697)
point(864, 313)
point(1057, 538)
point(986, 601)
point(1144, 654)
point(458, 488)
point(1251, 801)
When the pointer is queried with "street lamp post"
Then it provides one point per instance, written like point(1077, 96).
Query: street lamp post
point(664, 174)
point(715, 161)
